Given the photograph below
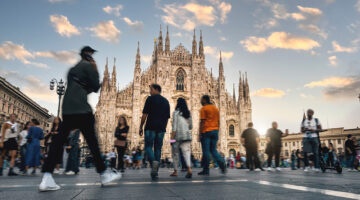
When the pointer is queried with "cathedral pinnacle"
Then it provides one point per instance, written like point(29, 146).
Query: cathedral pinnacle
point(167, 40)
point(160, 42)
point(137, 62)
point(221, 67)
point(194, 45)
point(201, 46)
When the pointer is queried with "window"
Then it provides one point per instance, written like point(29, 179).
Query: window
point(231, 131)
point(285, 144)
point(286, 153)
point(293, 143)
point(339, 141)
point(180, 76)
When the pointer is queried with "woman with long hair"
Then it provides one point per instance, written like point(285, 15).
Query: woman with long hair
point(34, 136)
point(23, 145)
point(121, 131)
point(181, 136)
point(55, 131)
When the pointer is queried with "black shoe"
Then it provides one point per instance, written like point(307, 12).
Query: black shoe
point(223, 168)
point(188, 175)
point(203, 173)
point(12, 173)
point(154, 170)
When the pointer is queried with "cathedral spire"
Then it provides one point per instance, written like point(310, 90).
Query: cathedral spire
point(221, 67)
point(155, 51)
point(113, 75)
point(137, 62)
point(247, 87)
point(201, 46)
point(167, 40)
point(105, 83)
point(160, 42)
point(194, 45)
point(234, 97)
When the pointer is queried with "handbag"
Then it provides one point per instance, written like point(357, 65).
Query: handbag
point(120, 143)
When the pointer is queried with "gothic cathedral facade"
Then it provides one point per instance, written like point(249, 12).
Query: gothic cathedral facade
point(181, 74)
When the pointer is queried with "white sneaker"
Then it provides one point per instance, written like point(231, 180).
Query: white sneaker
point(48, 184)
point(109, 176)
point(258, 170)
point(56, 171)
point(70, 173)
point(269, 169)
point(306, 169)
point(278, 169)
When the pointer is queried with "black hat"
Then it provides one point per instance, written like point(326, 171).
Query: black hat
point(87, 49)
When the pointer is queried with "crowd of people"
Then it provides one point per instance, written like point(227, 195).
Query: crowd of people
point(78, 117)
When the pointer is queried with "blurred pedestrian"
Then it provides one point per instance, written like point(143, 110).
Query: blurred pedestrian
point(82, 80)
point(34, 136)
point(72, 164)
point(8, 143)
point(209, 135)
point(181, 133)
point(121, 132)
point(350, 153)
point(156, 113)
point(273, 147)
point(250, 139)
point(54, 133)
point(23, 145)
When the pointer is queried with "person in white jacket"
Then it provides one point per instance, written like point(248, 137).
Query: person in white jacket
point(181, 136)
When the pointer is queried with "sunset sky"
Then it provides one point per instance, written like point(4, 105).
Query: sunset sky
point(297, 54)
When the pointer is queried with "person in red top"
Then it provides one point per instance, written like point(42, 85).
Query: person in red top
point(209, 135)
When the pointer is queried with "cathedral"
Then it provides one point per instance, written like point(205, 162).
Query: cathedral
point(180, 73)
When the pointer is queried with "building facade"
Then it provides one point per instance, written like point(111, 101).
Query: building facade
point(12, 100)
point(336, 136)
point(181, 74)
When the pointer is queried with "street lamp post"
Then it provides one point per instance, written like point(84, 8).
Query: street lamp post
point(60, 90)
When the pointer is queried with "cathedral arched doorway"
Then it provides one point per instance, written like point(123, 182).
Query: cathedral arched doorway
point(232, 152)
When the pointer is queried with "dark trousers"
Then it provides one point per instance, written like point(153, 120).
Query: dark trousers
point(121, 153)
point(274, 151)
point(86, 124)
point(299, 162)
point(23, 156)
point(252, 158)
point(209, 144)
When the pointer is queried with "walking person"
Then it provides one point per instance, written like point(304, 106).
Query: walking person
point(209, 135)
point(350, 153)
point(34, 136)
point(72, 164)
point(300, 157)
point(273, 137)
point(54, 133)
point(8, 143)
point(121, 132)
point(82, 80)
point(156, 113)
point(311, 127)
point(250, 139)
point(23, 145)
point(181, 133)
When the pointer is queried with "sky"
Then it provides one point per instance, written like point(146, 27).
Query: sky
point(297, 54)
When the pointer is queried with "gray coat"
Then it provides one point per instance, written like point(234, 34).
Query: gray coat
point(82, 80)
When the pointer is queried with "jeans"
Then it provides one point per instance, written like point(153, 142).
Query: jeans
point(208, 143)
point(252, 158)
point(86, 124)
point(311, 145)
point(350, 161)
point(274, 151)
point(23, 156)
point(153, 140)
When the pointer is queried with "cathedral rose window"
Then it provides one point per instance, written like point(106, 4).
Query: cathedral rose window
point(180, 76)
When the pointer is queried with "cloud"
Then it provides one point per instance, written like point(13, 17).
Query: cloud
point(306, 96)
point(267, 24)
point(178, 34)
point(269, 93)
point(310, 11)
point(313, 29)
point(297, 16)
point(113, 10)
point(11, 51)
point(146, 59)
point(63, 26)
point(190, 15)
point(214, 52)
point(335, 82)
point(333, 60)
point(59, 1)
point(336, 88)
point(69, 57)
point(278, 40)
point(106, 31)
point(338, 48)
point(222, 38)
point(357, 6)
point(136, 25)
